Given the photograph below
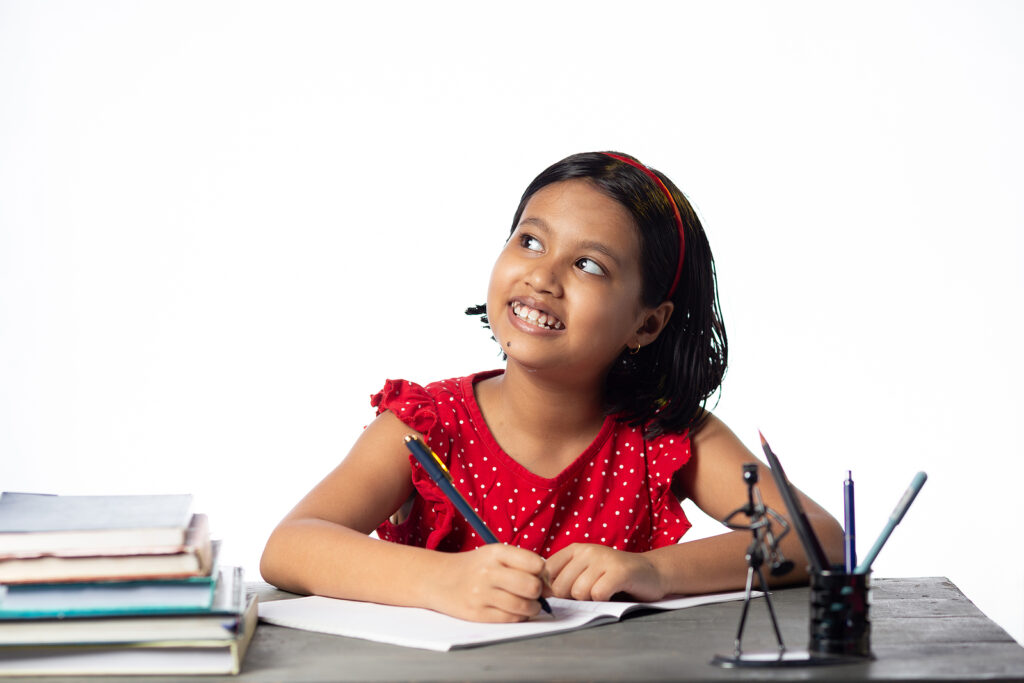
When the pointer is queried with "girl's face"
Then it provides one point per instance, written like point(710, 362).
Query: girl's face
point(564, 293)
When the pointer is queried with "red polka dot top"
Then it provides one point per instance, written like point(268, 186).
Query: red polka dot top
point(616, 493)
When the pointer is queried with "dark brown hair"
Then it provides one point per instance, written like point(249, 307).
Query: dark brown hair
point(665, 387)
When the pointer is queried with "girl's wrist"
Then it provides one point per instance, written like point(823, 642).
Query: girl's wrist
point(432, 574)
point(666, 570)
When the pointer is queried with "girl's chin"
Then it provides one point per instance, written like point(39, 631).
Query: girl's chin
point(523, 353)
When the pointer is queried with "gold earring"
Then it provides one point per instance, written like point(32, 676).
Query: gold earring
point(635, 351)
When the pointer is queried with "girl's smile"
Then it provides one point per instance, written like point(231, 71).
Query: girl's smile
point(527, 312)
point(569, 282)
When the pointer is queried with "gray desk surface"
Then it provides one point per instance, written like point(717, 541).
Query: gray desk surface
point(922, 629)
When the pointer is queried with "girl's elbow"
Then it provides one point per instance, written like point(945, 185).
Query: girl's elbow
point(271, 564)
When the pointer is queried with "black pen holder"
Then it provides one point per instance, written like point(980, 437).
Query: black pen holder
point(839, 614)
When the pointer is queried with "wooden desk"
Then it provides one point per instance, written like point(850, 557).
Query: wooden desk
point(922, 629)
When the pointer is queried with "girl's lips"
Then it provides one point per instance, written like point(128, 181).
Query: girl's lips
point(531, 318)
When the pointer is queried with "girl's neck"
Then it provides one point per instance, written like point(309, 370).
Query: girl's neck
point(522, 404)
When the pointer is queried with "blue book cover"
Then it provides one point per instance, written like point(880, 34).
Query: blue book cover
point(218, 593)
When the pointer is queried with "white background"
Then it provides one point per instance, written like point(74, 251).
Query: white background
point(223, 225)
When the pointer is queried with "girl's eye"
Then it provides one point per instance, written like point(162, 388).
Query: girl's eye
point(530, 242)
point(589, 266)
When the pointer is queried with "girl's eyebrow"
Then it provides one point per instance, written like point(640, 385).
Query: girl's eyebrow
point(585, 244)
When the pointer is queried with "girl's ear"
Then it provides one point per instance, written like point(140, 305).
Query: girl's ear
point(654, 323)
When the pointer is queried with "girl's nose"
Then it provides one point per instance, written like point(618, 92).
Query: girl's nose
point(544, 279)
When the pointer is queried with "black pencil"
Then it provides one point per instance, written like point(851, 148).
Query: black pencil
point(812, 547)
point(439, 473)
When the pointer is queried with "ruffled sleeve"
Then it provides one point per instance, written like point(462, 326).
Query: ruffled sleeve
point(667, 454)
point(409, 402)
point(430, 520)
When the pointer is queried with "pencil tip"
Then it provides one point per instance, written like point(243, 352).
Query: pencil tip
point(763, 442)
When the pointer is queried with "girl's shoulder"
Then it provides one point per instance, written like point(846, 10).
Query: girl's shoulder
point(663, 454)
point(673, 440)
point(423, 406)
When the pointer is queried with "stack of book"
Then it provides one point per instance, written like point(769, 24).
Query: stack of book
point(107, 585)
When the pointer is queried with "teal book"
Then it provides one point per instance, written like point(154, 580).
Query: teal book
point(220, 619)
point(106, 598)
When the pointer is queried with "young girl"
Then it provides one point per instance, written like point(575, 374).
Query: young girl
point(578, 453)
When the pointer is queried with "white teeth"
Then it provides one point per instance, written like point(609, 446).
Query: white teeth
point(532, 315)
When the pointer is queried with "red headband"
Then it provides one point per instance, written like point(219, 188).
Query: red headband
point(675, 208)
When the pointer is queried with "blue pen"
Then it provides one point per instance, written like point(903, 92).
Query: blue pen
point(439, 473)
point(894, 519)
point(850, 524)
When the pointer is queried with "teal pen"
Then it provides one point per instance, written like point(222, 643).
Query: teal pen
point(894, 519)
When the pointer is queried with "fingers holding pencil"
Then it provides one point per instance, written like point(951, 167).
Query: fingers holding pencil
point(494, 583)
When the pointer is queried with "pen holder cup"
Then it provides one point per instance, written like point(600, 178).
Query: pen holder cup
point(839, 614)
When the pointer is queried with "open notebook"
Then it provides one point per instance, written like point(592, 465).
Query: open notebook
point(423, 628)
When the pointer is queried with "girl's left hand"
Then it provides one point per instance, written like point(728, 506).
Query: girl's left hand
point(585, 571)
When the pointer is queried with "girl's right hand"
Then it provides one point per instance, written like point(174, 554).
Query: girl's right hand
point(495, 583)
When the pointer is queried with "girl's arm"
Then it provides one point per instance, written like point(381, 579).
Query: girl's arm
point(322, 547)
point(713, 480)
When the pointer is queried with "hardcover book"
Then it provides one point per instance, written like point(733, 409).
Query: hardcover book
point(192, 557)
point(222, 654)
point(35, 524)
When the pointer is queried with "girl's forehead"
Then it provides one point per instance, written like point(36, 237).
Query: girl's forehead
point(578, 208)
